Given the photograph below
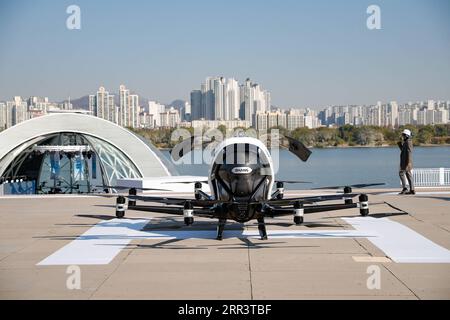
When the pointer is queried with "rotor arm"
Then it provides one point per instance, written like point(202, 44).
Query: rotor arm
point(298, 209)
point(309, 200)
point(178, 211)
point(278, 212)
point(175, 201)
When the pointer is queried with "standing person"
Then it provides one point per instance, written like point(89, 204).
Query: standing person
point(406, 148)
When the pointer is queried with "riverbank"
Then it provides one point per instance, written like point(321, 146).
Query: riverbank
point(324, 137)
point(379, 146)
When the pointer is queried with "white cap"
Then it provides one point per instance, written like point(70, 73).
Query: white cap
point(407, 132)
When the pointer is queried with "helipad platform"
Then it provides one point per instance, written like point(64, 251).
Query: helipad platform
point(402, 251)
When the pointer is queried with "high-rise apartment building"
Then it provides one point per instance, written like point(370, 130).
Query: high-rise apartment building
point(133, 111)
point(170, 118)
point(253, 99)
point(124, 106)
point(223, 99)
point(196, 105)
point(295, 119)
point(155, 109)
point(3, 116)
point(233, 100)
point(102, 105)
point(20, 110)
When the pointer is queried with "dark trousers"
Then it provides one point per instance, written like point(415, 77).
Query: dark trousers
point(406, 174)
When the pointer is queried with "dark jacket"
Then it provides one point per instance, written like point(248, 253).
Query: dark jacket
point(406, 148)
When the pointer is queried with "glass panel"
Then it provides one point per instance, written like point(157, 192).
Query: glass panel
point(116, 164)
point(62, 172)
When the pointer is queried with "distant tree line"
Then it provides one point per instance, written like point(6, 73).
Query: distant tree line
point(345, 136)
point(349, 135)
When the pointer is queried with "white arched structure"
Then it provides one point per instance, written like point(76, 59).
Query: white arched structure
point(145, 157)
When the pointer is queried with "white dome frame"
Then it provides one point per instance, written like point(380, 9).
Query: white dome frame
point(21, 136)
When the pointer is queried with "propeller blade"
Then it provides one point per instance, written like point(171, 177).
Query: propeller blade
point(128, 188)
point(362, 185)
point(309, 200)
point(177, 201)
point(291, 181)
point(298, 148)
point(294, 146)
point(104, 195)
point(187, 182)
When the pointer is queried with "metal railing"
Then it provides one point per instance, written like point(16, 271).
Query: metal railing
point(431, 177)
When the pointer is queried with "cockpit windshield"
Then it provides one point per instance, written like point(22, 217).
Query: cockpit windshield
point(243, 171)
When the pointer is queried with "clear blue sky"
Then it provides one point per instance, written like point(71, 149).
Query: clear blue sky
point(307, 53)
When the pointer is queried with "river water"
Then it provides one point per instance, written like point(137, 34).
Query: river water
point(343, 166)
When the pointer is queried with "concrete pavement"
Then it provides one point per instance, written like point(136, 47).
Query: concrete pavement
point(303, 267)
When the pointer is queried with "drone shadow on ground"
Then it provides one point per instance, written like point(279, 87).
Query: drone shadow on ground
point(164, 223)
point(379, 215)
point(433, 197)
point(102, 217)
point(245, 244)
point(179, 225)
point(306, 224)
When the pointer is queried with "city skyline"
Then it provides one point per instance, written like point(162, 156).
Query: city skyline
point(222, 101)
point(116, 93)
point(308, 54)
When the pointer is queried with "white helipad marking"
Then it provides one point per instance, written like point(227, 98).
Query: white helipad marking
point(400, 243)
point(100, 244)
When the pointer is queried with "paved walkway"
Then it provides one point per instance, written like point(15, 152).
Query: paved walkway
point(153, 256)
